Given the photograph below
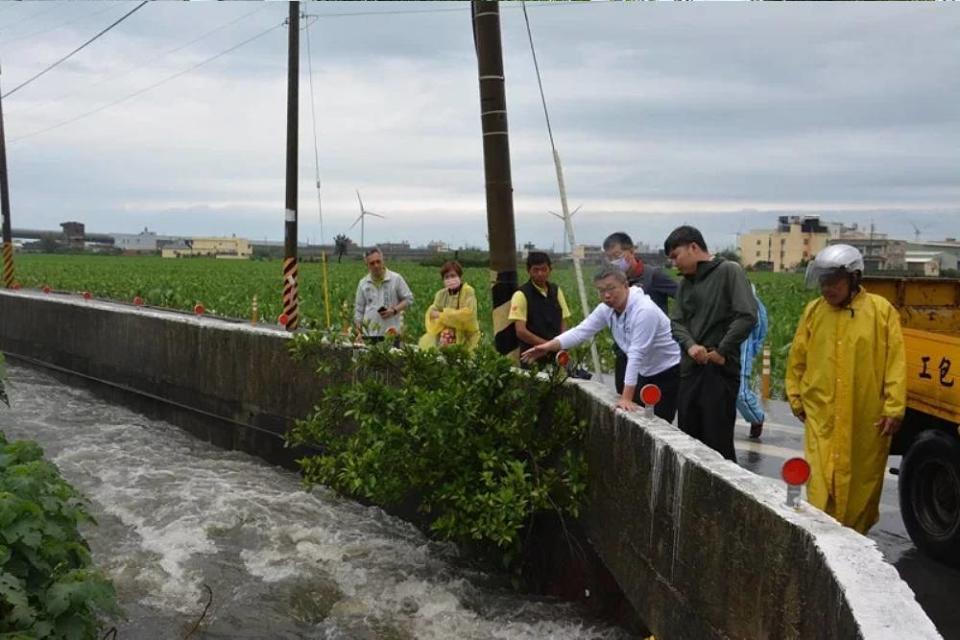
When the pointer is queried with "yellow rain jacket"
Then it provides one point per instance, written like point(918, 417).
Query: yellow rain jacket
point(458, 312)
point(847, 369)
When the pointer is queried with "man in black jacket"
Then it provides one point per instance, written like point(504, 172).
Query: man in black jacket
point(538, 308)
point(620, 252)
point(714, 312)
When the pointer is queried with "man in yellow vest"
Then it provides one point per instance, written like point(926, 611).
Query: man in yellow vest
point(846, 380)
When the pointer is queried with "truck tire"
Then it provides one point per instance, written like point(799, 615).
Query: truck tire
point(929, 490)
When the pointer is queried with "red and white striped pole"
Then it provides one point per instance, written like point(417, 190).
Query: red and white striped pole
point(765, 380)
point(291, 299)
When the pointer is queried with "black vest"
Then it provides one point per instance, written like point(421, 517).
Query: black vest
point(544, 315)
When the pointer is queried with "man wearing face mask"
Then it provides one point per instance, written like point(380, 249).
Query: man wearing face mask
point(538, 309)
point(619, 250)
point(452, 318)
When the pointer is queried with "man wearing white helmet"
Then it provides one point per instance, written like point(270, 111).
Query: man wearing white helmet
point(846, 380)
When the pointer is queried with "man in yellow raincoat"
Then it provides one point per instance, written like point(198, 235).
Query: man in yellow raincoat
point(452, 318)
point(846, 380)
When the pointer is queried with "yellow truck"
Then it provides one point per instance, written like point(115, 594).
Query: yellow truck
point(929, 441)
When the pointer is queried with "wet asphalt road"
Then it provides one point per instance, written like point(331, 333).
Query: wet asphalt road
point(935, 585)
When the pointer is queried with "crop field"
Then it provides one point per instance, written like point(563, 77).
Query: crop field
point(227, 288)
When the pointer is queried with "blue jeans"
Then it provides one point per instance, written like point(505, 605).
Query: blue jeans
point(748, 403)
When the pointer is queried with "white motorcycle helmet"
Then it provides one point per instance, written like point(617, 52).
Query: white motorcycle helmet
point(836, 257)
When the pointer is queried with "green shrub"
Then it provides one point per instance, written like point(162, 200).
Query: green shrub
point(48, 588)
point(480, 447)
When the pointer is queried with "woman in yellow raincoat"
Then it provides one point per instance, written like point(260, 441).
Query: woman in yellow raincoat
point(452, 318)
point(846, 379)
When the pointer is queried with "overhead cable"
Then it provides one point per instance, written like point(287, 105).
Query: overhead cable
point(140, 92)
point(77, 50)
point(143, 61)
point(59, 25)
point(316, 144)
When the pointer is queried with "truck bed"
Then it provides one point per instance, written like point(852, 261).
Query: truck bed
point(930, 315)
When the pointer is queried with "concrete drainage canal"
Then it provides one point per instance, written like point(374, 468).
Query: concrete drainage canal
point(176, 513)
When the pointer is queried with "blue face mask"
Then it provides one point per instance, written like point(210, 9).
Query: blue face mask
point(620, 263)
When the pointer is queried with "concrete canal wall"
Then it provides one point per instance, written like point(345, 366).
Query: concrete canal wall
point(701, 548)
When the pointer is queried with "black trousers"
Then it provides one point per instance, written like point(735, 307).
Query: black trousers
point(668, 381)
point(707, 408)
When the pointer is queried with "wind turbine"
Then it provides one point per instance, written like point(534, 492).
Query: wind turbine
point(917, 230)
point(568, 234)
point(363, 214)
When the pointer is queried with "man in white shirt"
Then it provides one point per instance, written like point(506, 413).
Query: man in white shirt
point(640, 329)
point(382, 296)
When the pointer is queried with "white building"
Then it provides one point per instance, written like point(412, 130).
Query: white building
point(930, 263)
point(144, 241)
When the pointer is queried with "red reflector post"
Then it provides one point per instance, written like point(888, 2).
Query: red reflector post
point(137, 300)
point(198, 309)
point(87, 295)
point(562, 358)
point(46, 289)
point(650, 394)
point(283, 319)
point(795, 471)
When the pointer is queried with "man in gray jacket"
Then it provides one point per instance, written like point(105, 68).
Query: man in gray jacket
point(715, 311)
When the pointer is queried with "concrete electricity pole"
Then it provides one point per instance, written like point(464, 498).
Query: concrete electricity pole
point(290, 272)
point(496, 169)
point(7, 266)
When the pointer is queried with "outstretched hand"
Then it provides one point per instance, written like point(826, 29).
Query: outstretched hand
point(534, 353)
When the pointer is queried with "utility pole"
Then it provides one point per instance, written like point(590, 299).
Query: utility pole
point(290, 271)
point(5, 209)
point(567, 216)
point(496, 170)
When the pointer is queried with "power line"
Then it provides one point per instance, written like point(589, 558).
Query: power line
point(143, 61)
point(78, 49)
point(59, 25)
point(149, 87)
point(316, 145)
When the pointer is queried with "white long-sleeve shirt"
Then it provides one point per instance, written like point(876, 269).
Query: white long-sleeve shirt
point(642, 331)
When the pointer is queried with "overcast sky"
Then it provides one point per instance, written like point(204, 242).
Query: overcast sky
point(722, 115)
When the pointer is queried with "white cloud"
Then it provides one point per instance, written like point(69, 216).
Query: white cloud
point(718, 115)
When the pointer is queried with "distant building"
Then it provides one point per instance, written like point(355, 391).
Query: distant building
point(74, 233)
point(948, 246)
point(438, 246)
point(229, 248)
point(929, 263)
point(393, 247)
point(144, 242)
point(879, 253)
point(795, 241)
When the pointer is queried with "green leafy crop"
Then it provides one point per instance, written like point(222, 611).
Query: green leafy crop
point(48, 588)
point(480, 447)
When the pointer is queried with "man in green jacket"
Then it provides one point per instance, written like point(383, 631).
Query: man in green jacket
point(714, 312)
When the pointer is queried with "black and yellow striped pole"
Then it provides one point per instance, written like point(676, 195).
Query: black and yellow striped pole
point(291, 301)
point(7, 268)
point(496, 169)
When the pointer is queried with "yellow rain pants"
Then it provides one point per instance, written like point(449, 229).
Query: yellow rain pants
point(847, 369)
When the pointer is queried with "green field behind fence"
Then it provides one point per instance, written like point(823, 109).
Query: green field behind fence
point(227, 287)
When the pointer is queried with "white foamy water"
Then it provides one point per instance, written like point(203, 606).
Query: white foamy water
point(176, 513)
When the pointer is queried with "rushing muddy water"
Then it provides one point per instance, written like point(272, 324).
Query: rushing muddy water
point(176, 514)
